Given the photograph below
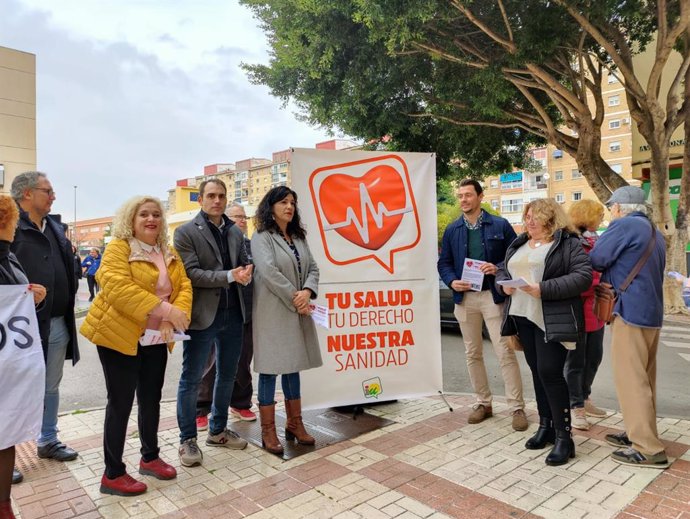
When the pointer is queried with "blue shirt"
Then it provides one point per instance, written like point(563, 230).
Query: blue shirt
point(616, 253)
point(91, 264)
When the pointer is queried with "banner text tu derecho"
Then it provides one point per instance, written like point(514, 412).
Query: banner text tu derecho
point(375, 349)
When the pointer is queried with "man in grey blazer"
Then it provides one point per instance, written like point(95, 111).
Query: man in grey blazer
point(212, 249)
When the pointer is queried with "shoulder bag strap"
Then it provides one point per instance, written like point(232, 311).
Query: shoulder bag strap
point(638, 266)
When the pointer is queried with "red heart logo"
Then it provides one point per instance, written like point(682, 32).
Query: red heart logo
point(469, 263)
point(364, 210)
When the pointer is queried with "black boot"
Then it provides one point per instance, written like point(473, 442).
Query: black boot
point(563, 449)
point(544, 435)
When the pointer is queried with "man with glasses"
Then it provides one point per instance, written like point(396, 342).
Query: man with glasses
point(241, 402)
point(46, 255)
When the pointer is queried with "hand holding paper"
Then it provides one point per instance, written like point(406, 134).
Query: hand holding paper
point(151, 337)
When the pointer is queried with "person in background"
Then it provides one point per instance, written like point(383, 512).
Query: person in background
point(77, 265)
point(90, 267)
point(46, 256)
point(547, 315)
point(480, 236)
point(241, 402)
point(11, 273)
point(583, 362)
point(285, 340)
point(143, 287)
point(637, 319)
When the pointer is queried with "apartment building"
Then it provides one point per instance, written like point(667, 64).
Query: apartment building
point(17, 115)
point(556, 174)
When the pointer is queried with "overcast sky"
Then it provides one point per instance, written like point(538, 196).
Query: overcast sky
point(135, 94)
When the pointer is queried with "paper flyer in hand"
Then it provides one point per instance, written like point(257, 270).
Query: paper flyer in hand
point(513, 283)
point(151, 337)
point(320, 314)
point(472, 274)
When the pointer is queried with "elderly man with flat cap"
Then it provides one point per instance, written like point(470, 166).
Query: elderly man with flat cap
point(632, 238)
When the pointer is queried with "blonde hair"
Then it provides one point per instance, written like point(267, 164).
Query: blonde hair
point(8, 211)
point(586, 214)
point(124, 219)
point(549, 214)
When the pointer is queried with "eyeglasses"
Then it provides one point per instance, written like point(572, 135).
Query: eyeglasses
point(47, 191)
point(239, 217)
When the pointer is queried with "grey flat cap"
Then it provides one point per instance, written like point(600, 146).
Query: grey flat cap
point(627, 195)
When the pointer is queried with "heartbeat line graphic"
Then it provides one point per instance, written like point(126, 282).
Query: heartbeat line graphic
point(366, 207)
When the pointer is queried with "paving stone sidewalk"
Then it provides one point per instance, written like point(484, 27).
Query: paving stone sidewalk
point(430, 463)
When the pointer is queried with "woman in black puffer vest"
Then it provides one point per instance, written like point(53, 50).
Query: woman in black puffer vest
point(547, 314)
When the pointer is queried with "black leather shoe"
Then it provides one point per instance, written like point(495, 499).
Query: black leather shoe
point(544, 435)
point(17, 477)
point(57, 451)
point(563, 449)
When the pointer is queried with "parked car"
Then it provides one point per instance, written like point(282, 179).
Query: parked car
point(447, 307)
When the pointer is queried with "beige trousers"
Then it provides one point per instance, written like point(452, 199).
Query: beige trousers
point(478, 307)
point(633, 352)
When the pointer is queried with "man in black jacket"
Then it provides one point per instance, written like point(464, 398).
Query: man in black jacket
point(46, 256)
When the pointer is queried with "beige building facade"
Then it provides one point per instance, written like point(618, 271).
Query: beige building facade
point(622, 147)
point(17, 115)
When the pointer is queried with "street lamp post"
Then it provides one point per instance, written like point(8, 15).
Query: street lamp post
point(75, 237)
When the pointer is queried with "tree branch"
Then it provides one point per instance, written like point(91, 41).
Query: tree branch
point(508, 45)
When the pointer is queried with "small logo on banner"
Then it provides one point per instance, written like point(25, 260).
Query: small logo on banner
point(372, 388)
point(365, 210)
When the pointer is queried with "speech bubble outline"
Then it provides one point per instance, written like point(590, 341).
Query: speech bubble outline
point(374, 383)
point(323, 223)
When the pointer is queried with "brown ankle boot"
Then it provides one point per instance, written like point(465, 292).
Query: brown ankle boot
point(6, 510)
point(294, 428)
point(269, 438)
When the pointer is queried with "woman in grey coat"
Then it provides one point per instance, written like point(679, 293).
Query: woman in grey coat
point(286, 278)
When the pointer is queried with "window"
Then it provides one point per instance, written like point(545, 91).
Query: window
point(494, 184)
point(577, 195)
point(557, 154)
point(614, 124)
point(618, 168)
point(614, 100)
point(575, 173)
point(494, 205)
point(558, 175)
point(560, 198)
point(511, 206)
point(611, 79)
point(513, 184)
point(615, 146)
point(95, 229)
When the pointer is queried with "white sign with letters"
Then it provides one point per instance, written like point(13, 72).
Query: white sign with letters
point(371, 226)
point(22, 368)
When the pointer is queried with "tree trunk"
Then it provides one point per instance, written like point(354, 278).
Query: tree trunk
point(676, 259)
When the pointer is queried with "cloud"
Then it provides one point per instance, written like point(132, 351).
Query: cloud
point(118, 121)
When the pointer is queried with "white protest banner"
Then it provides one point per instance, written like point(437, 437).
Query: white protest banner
point(22, 368)
point(371, 226)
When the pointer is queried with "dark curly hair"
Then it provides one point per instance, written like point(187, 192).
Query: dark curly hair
point(8, 211)
point(264, 214)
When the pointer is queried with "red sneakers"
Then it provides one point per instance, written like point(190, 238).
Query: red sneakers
point(157, 468)
point(201, 423)
point(124, 485)
point(246, 415)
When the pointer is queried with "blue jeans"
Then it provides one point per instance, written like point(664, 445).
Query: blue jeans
point(267, 387)
point(55, 361)
point(226, 334)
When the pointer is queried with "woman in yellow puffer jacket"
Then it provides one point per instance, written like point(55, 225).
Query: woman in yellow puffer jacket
point(143, 287)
